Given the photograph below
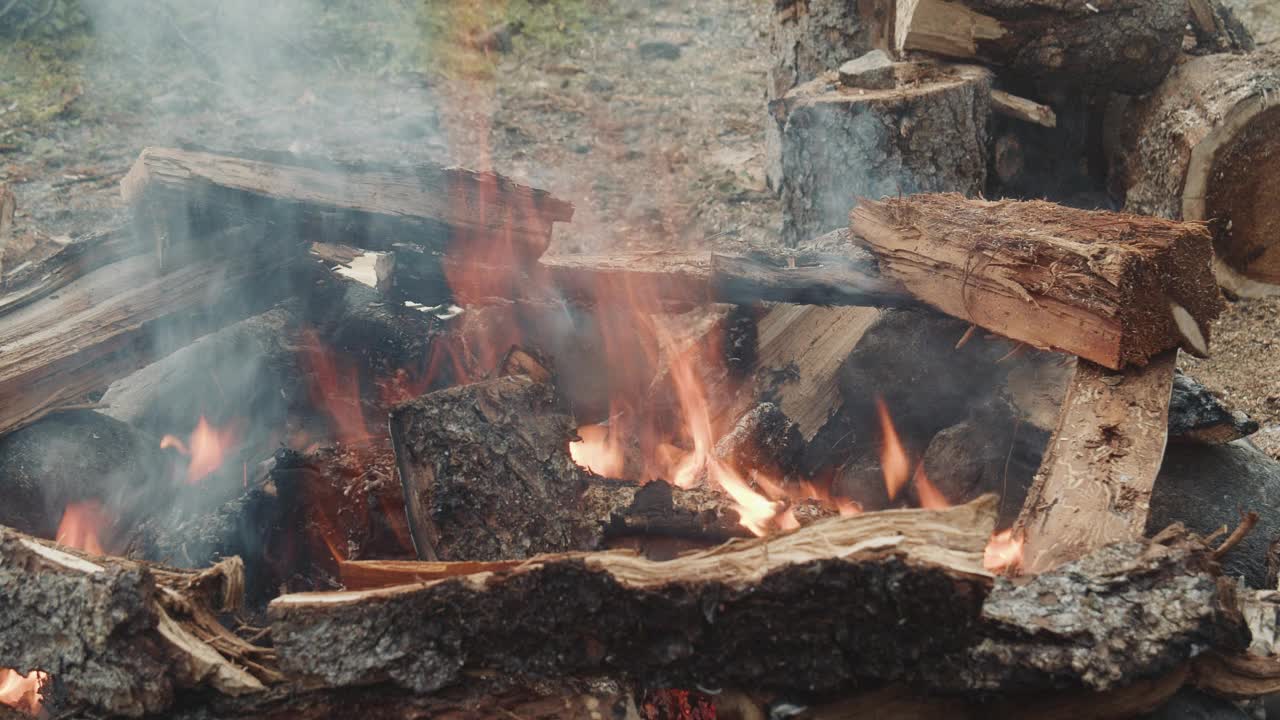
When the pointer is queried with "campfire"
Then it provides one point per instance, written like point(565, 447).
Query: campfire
point(305, 436)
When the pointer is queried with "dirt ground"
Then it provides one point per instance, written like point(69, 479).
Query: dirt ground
point(647, 114)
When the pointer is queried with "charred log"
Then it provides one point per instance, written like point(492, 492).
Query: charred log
point(1197, 415)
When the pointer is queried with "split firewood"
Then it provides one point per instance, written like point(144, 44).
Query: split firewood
point(121, 637)
point(734, 616)
point(1197, 415)
point(1200, 147)
point(925, 134)
point(1094, 484)
point(1023, 109)
point(1115, 289)
point(117, 318)
point(8, 206)
point(1126, 46)
point(29, 281)
point(180, 194)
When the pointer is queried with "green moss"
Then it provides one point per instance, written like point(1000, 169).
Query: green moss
point(40, 79)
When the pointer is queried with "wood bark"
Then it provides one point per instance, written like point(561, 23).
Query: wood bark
point(178, 194)
point(120, 637)
point(8, 206)
point(1094, 484)
point(115, 319)
point(754, 614)
point(1127, 46)
point(29, 281)
point(927, 134)
point(1217, 29)
point(1103, 286)
point(808, 38)
point(1203, 146)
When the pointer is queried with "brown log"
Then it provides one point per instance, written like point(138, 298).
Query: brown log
point(1103, 286)
point(29, 281)
point(8, 206)
point(177, 194)
point(115, 319)
point(1202, 146)
point(733, 616)
point(121, 637)
point(926, 134)
point(1126, 46)
point(1023, 109)
point(1094, 484)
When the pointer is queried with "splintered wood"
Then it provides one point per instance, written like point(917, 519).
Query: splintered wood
point(1094, 484)
point(1104, 286)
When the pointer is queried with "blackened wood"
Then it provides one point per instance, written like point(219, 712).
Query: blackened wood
point(1197, 415)
point(120, 637)
point(183, 193)
point(757, 614)
point(1217, 29)
point(487, 473)
point(1103, 286)
point(1126, 46)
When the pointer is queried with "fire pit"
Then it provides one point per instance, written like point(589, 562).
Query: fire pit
point(307, 437)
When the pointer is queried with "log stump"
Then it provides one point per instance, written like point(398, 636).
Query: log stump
point(1205, 145)
point(926, 134)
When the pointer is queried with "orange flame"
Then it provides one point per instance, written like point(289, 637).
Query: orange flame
point(1003, 552)
point(599, 451)
point(893, 459)
point(931, 498)
point(22, 692)
point(81, 525)
point(335, 387)
point(207, 449)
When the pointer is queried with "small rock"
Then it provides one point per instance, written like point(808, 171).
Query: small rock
point(659, 51)
point(873, 71)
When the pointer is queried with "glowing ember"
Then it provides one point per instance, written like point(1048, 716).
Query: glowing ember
point(22, 692)
point(1003, 552)
point(82, 524)
point(930, 497)
point(599, 451)
point(893, 459)
point(335, 386)
point(207, 449)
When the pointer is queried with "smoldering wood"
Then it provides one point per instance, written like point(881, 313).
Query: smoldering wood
point(1197, 415)
point(487, 473)
point(75, 457)
point(1112, 430)
point(1102, 286)
point(1201, 147)
point(1206, 487)
point(179, 194)
point(728, 617)
point(1217, 29)
point(926, 134)
point(1126, 46)
point(247, 369)
point(764, 439)
point(121, 637)
point(808, 38)
point(117, 318)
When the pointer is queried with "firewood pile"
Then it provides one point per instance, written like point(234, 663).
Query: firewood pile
point(306, 437)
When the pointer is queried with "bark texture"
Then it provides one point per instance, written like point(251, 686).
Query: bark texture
point(1103, 286)
point(732, 616)
point(1203, 146)
point(1127, 45)
point(927, 134)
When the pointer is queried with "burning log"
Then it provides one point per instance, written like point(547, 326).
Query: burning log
point(487, 476)
point(108, 322)
point(771, 623)
point(177, 194)
point(1126, 46)
point(1200, 147)
point(1112, 430)
point(925, 134)
point(120, 637)
point(1115, 289)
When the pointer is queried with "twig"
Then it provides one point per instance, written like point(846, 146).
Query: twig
point(1247, 521)
point(966, 336)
